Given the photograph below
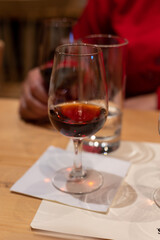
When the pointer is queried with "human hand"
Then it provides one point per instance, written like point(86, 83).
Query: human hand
point(34, 98)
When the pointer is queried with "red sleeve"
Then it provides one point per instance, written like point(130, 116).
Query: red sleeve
point(94, 19)
point(139, 22)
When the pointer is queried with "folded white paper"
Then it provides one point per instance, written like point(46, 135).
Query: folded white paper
point(133, 213)
point(37, 180)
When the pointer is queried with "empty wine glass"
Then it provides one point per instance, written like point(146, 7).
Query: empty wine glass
point(156, 195)
point(78, 106)
point(54, 32)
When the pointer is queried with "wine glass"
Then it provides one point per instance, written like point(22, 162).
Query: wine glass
point(156, 194)
point(114, 54)
point(54, 32)
point(77, 107)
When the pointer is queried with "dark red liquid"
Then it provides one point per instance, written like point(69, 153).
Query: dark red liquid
point(77, 119)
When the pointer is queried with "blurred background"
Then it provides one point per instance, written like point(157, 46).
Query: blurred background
point(19, 35)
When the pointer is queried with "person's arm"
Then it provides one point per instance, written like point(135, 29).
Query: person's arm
point(142, 102)
point(143, 59)
point(33, 101)
point(95, 19)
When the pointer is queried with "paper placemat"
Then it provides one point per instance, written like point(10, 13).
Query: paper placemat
point(37, 180)
point(133, 213)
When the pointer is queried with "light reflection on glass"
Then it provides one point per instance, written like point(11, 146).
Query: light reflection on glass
point(93, 137)
point(90, 183)
point(150, 202)
point(90, 144)
point(46, 180)
point(69, 169)
point(96, 144)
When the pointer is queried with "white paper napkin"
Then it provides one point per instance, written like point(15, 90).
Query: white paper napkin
point(37, 180)
point(133, 213)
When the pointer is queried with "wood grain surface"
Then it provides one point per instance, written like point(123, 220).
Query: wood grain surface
point(22, 143)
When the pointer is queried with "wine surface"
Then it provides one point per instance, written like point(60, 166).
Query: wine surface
point(77, 119)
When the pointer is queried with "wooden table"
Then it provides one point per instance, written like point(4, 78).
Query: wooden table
point(21, 144)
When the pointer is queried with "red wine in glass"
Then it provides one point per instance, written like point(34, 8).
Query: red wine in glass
point(77, 119)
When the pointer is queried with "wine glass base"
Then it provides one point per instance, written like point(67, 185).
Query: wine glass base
point(156, 197)
point(63, 181)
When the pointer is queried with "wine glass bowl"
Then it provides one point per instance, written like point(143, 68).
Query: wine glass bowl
point(77, 107)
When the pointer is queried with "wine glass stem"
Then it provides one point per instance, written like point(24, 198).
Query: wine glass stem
point(77, 171)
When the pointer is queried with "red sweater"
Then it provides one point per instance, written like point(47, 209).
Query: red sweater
point(139, 22)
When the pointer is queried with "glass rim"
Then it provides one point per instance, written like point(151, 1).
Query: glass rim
point(109, 36)
point(59, 21)
point(97, 48)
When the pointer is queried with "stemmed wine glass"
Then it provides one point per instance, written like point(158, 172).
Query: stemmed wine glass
point(77, 107)
point(54, 32)
point(156, 194)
